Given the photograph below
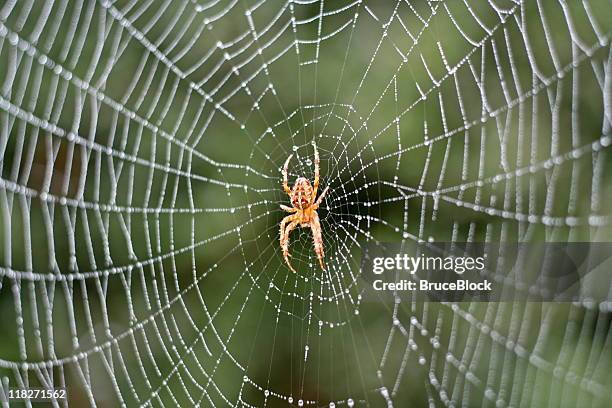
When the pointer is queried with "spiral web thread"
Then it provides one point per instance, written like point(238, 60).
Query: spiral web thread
point(141, 147)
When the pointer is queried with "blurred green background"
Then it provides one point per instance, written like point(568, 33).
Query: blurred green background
point(141, 151)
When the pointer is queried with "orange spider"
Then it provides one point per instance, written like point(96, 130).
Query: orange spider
point(304, 203)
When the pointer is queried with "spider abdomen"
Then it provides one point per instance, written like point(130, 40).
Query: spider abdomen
point(301, 194)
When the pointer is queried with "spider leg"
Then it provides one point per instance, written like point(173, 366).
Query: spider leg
point(283, 224)
point(285, 181)
point(320, 199)
point(317, 161)
point(315, 226)
point(288, 209)
point(284, 236)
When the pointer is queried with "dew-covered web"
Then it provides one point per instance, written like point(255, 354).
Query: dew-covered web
point(141, 151)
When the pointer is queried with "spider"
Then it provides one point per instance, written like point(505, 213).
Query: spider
point(304, 203)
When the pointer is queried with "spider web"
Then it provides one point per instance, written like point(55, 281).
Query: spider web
point(141, 146)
